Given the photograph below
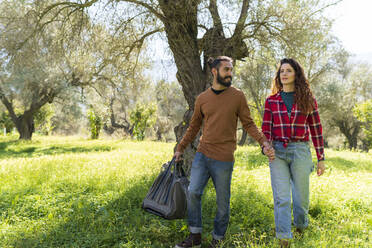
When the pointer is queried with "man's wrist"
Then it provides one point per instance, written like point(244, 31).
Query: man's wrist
point(266, 144)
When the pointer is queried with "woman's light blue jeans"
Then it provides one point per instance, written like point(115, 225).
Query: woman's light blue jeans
point(290, 171)
point(202, 169)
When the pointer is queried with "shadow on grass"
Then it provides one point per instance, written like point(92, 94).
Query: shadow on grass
point(5, 144)
point(9, 149)
point(121, 222)
point(346, 165)
point(249, 160)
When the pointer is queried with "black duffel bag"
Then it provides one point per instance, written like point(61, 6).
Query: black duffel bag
point(167, 195)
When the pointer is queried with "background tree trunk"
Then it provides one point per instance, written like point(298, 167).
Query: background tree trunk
point(25, 122)
point(350, 131)
point(243, 138)
point(25, 126)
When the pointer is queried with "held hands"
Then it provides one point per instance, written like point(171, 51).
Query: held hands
point(269, 151)
point(320, 168)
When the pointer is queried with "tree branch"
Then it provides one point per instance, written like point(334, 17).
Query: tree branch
point(321, 9)
point(40, 26)
point(147, 6)
point(242, 18)
point(203, 27)
point(138, 43)
point(123, 24)
point(67, 4)
point(127, 128)
point(47, 95)
point(8, 104)
point(215, 16)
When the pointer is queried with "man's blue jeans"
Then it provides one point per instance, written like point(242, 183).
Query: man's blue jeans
point(290, 171)
point(202, 169)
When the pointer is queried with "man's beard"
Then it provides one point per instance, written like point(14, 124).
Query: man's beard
point(221, 80)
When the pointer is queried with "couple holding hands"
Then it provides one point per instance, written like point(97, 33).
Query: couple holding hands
point(290, 115)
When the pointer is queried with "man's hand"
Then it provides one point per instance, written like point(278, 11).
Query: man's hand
point(178, 156)
point(269, 151)
point(320, 168)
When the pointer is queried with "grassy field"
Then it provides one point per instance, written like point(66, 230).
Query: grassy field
point(73, 192)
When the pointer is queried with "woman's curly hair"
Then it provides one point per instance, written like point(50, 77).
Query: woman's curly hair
point(303, 95)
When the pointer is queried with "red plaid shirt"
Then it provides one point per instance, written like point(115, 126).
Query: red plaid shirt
point(278, 126)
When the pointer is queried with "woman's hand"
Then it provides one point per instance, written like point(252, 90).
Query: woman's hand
point(320, 168)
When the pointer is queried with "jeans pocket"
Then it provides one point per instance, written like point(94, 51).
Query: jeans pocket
point(279, 150)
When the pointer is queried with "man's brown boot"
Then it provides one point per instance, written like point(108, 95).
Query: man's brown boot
point(193, 240)
point(299, 231)
point(283, 243)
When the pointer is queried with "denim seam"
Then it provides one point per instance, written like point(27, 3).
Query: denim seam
point(194, 229)
point(282, 235)
point(217, 237)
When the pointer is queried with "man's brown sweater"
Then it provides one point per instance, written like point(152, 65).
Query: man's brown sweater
point(219, 116)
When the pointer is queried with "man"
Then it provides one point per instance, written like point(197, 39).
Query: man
point(218, 109)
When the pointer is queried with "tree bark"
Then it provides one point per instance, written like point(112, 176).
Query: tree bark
point(159, 135)
point(25, 122)
point(243, 138)
point(365, 145)
point(25, 126)
point(350, 129)
point(180, 22)
point(128, 129)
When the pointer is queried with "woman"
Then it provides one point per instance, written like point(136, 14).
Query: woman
point(291, 112)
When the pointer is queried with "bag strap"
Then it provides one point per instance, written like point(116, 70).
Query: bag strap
point(176, 168)
point(171, 164)
point(179, 172)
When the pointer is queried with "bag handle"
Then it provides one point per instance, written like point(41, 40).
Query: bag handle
point(176, 167)
point(170, 164)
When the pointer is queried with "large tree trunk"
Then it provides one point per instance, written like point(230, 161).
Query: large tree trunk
point(180, 24)
point(190, 150)
point(181, 29)
point(25, 126)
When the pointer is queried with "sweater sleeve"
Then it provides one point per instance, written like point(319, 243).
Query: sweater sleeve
point(194, 127)
point(248, 123)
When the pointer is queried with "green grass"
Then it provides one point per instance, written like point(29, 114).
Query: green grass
point(73, 192)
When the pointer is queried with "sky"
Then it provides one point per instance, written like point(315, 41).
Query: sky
point(353, 20)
